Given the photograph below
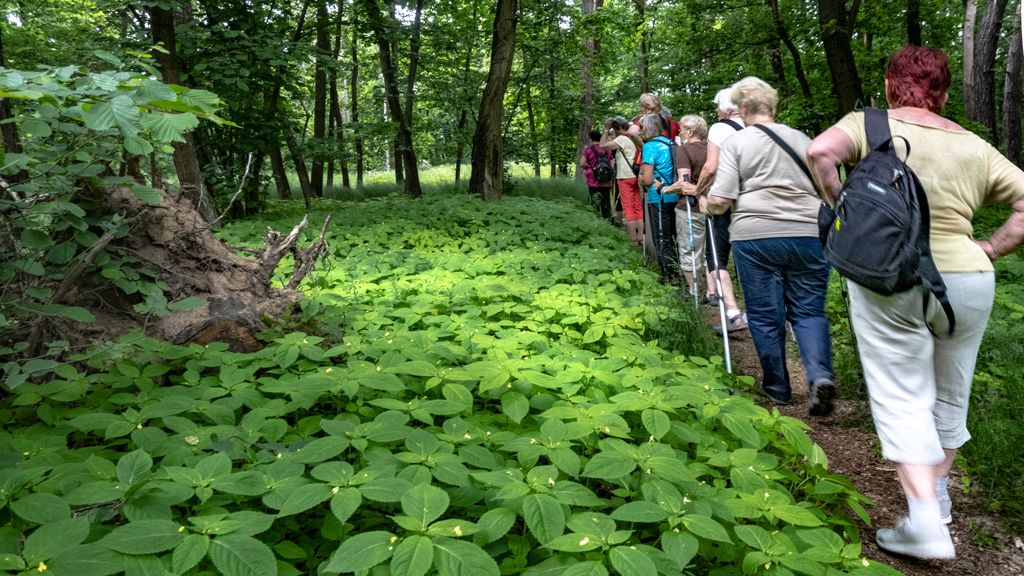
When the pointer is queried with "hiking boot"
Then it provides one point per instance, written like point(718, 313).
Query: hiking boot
point(909, 541)
point(735, 324)
point(820, 400)
point(945, 509)
point(711, 299)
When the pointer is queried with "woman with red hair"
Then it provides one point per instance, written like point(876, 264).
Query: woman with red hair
point(919, 385)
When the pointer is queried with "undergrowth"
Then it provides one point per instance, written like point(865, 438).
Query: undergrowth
point(477, 389)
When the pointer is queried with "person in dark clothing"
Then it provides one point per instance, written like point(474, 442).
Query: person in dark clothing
point(599, 191)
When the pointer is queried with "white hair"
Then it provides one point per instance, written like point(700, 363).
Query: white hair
point(724, 101)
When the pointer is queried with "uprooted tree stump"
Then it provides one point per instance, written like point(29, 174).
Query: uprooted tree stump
point(174, 241)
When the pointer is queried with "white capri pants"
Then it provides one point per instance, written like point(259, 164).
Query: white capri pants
point(920, 386)
point(686, 255)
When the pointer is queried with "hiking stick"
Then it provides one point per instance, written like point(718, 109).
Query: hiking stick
point(721, 301)
point(643, 227)
point(693, 255)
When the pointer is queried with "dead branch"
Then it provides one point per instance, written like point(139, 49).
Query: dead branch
point(307, 258)
point(240, 187)
point(277, 247)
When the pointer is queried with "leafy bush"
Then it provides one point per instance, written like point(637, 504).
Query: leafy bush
point(485, 401)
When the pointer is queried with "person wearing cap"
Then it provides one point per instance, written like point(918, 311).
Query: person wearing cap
point(729, 123)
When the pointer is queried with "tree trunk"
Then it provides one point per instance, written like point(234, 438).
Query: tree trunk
point(354, 89)
point(783, 32)
point(11, 140)
point(533, 133)
point(970, 22)
point(397, 59)
point(641, 24)
point(982, 105)
point(1012, 95)
point(552, 124)
point(381, 28)
point(485, 180)
point(338, 131)
point(300, 169)
point(284, 189)
point(591, 47)
point(414, 60)
point(460, 146)
point(186, 164)
point(835, 21)
point(323, 51)
point(914, 22)
point(467, 101)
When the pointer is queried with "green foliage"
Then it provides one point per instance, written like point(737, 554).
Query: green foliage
point(492, 406)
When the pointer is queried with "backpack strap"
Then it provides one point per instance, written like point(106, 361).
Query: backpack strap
point(792, 153)
point(876, 124)
point(735, 125)
point(931, 280)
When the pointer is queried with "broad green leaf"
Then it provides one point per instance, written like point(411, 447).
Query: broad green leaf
point(148, 565)
point(515, 406)
point(385, 489)
point(573, 542)
point(321, 449)
point(345, 502)
point(187, 554)
point(421, 443)
point(11, 561)
point(679, 547)
point(144, 537)
point(303, 498)
point(36, 127)
point(148, 195)
point(184, 303)
point(795, 515)
point(36, 239)
point(362, 552)
point(631, 562)
point(51, 539)
point(494, 524)
point(208, 101)
point(120, 111)
point(544, 517)
point(85, 560)
point(425, 503)
point(588, 568)
point(461, 558)
point(248, 483)
point(705, 527)
point(108, 57)
point(42, 508)
point(133, 467)
point(742, 429)
point(76, 313)
point(656, 422)
point(640, 511)
point(236, 555)
point(136, 145)
point(609, 465)
point(566, 460)
point(167, 126)
point(755, 536)
point(413, 557)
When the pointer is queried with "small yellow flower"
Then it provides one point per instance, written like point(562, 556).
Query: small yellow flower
point(329, 370)
point(457, 530)
point(181, 528)
point(334, 490)
point(42, 567)
point(585, 541)
point(551, 481)
point(393, 538)
point(768, 565)
point(139, 426)
point(191, 440)
point(865, 562)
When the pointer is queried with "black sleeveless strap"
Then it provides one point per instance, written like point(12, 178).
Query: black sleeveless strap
point(876, 124)
point(735, 125)
point(792, 153)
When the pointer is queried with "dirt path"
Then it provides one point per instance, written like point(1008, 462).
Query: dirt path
point(980, 546)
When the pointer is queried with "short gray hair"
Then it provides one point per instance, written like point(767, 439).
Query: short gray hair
point(724, 101)
point(650, 127)
point(695, 124)
point(755, 96)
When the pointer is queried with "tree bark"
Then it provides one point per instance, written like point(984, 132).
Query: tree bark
point(186, 164)
point(414, 60)
point(981, 107)
point(1012, 95)
point(783, 31)
point(354, 88)
point(380, 30)
point(337, 121)
point(323, 50)
point(835, 24)
point(300, 169)
point(284, 189)
point(914, 22)
point(552, 124)
point(485, 180)
point(533, 133)
point(970, 22)
point(641, 24)
point(467, 101)
point(9, 130)
point(591, 47)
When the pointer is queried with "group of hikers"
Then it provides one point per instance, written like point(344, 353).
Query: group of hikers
point(765, 192)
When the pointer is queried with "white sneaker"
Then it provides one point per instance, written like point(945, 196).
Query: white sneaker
point(946, 509)
point(905, 539)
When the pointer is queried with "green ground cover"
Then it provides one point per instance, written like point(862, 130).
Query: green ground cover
point(468, 389)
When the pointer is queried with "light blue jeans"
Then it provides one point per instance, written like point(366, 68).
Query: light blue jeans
point(920, 385)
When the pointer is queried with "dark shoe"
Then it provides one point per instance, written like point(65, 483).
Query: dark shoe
point(735, 325)
point(711, 299)
point(905, 539)
point(821, 399)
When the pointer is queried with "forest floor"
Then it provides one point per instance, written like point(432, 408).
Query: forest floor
point(847, 436)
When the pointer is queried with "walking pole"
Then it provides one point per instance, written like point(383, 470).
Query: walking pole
point(693, 255)
point(721, 301)
point(643, 227)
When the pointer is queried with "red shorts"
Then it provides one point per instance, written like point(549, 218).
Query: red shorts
point(632, 201)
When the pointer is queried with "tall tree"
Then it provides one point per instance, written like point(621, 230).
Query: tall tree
point(914, 22)
point(11, 140)
point(836, 24)
point(645, 47)
point(354, 90)
point(1012, 95)
point(980, 103)
point(382, 30)
point(323, 61)
point(591, 47)
point(783, 31)
point(414, 60)
point(970, 23)
point(336, 121)
point(487, 157)
point(186, 163)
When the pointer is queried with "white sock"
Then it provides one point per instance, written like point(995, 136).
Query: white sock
point(941, 487)
point(924, 514)
point(730, 314)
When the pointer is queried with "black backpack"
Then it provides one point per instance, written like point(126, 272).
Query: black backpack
point(603, 171)
point(878, 235)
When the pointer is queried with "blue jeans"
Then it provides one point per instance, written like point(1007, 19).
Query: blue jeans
point(786, 279)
